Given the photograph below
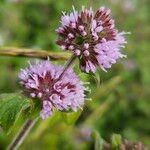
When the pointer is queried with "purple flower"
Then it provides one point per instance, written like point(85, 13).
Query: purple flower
point(41, 80)
point(93, 38)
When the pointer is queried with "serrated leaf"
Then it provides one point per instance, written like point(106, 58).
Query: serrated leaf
point(115, 141)
point(71, 117)
point(98, 141)
point(11, 106)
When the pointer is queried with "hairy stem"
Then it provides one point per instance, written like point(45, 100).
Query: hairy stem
point(24, 52)
point(22, 134)
point(68, 65)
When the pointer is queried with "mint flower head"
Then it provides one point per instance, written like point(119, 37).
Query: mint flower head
point(92, 37)
point(41, 81)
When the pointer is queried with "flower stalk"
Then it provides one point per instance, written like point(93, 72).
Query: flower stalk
point(22, 134)
point(68, 65)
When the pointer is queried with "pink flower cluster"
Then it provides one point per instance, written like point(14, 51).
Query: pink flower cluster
point(92, 37)
point(94, 40)
point(41, 81)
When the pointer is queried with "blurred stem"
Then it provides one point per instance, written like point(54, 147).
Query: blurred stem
point(91, 2)
point(68, 65)
point(99, 111)
point(24, 131)
point(25, 52)
point(107, 87)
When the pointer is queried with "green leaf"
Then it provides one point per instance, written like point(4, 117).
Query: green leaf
point(116, 141)
point(98, 141)
point(11, 106)
point(71, 117)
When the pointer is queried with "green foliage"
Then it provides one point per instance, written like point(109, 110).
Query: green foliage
point(115, 141)
point(11, 106)
point(98, 141)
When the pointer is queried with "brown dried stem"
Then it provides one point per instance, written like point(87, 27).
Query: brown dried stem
point(25, 52)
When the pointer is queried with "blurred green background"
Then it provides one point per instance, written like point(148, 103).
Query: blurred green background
point(121, 102)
